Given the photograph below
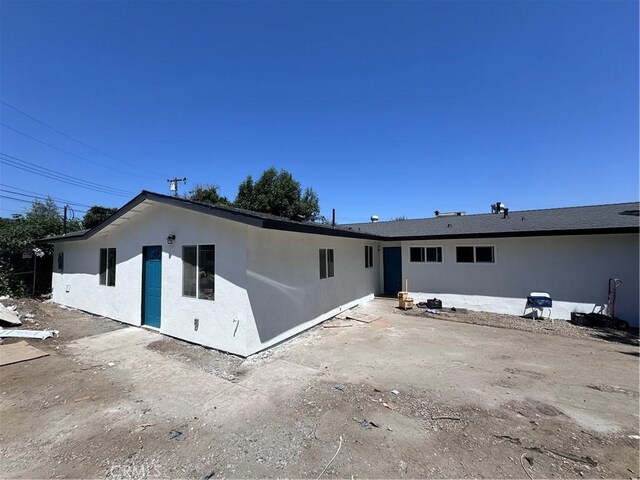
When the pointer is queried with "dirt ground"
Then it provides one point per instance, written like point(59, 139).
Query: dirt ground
point(401, 397)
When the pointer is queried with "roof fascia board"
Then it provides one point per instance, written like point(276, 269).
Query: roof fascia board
point(121, 211)
point(318, 230)
point(533, 233)
point(209, 210)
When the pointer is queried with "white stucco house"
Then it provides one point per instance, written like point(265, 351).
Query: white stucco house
point(242, 281)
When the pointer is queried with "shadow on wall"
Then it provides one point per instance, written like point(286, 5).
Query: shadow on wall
point(278, 307)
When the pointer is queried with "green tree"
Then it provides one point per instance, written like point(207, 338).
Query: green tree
point(43, 219)
point(19, 234)
point(96, 215)
point(208, 194)
point(278, 193)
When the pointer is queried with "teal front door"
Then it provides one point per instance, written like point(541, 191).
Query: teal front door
point(151, 286)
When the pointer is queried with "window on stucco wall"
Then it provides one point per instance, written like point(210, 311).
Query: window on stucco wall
point(108, 267)
point(368, 256)
point(198, 271)
point(477, 254)
point(425, 254)
point(326, 260)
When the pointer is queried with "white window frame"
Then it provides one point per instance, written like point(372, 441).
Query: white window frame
point(424, 251)
point(328, 273)
point(107, 278)
point(197, 271)
point(426, 257)
point(369, 261)
point(474, 246)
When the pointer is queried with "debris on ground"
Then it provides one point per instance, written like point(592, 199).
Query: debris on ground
point(176, 435)
point(143, 427)
point(395, 392)
point(364, 423)
point(514, 440)
point(7, 316)
point(445, 417)
point(515, 322)
point(332, 459)
point(338, 386)
point(337, 323)
point(19, 352)
point(19, 333)
point(587, 460)
point(362, 317)
point(210, 474)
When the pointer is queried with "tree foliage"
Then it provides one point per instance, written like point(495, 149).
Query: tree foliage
point(208, 194)
point(96, 215)
point(43, 219)
point(18, 235)
point(278, 193)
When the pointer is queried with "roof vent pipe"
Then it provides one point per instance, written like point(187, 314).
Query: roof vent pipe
point(449, 214)
point(498, 207)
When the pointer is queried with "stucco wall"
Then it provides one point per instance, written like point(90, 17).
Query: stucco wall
point(217, 319)
point(267, 285)
point(285, 289)
point(574, 270)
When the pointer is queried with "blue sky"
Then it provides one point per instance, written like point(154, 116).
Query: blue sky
point(387, 108)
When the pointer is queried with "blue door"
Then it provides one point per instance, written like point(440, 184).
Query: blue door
point(152, 286)
point(392, 269)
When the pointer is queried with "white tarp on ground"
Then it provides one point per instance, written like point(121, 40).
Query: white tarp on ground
point(7, 315)
point(17, 333)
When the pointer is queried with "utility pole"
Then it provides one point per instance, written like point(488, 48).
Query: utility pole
point(173, 184)
point(64, 221)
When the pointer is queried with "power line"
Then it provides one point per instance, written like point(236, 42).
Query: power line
point(37, 195)
point(48, 173)
point(100, 164)
point(65, 178)
point(68, 136)
point(29, 201)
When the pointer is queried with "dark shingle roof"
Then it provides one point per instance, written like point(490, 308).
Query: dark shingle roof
point(611, 218)
point(615, 218)
point(256, 219)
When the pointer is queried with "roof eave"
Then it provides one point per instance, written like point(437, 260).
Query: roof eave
point(530, 233)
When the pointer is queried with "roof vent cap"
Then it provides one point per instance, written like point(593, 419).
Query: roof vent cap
point(374, 218)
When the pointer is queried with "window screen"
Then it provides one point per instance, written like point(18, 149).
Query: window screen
point(368, 256)
point(111, 267)
point(416, 254)
point(464, 254)
point(103, 266)
point(189, 271)
point(61, 262)
point(330, 262)
point(434, 254)
point(484, 255)
point(323, 263)
point(206, 271)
